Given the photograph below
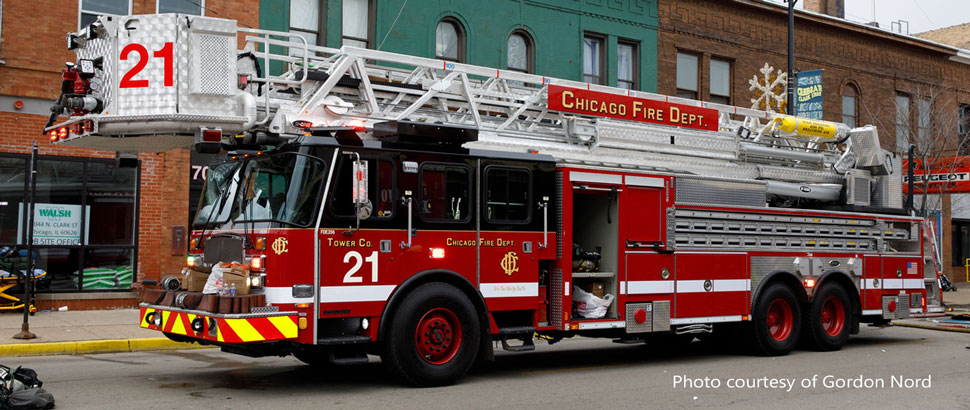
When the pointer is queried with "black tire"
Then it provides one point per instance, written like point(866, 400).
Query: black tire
point(315, 356)
point(828, 319)
point(776, 321)
point(443, 313)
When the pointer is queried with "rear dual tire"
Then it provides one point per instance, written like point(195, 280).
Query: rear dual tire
point(777, 321)
point(828, 319)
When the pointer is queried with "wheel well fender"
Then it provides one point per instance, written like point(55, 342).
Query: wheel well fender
point(443, 276)
point(780, 276)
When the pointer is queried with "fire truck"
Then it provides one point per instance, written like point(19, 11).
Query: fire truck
point(429, 211)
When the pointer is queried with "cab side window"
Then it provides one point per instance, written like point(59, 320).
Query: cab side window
point(380, 187)
point(507, 195)
point(444, 194)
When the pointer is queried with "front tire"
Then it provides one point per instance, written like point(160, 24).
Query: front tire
point(828, 320)
point(776, 321)
point(433, 336)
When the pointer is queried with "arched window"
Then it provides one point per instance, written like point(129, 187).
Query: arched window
point(520, 52)
point(449, 40)
point(850, 109)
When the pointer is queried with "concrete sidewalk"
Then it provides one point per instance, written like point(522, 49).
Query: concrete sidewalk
point(81, 332)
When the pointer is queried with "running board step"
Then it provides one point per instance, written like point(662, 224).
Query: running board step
point(526, 346)
point(522, 333)
point(342, 340)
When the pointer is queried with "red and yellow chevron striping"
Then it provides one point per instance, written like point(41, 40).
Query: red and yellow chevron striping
point(236, 330)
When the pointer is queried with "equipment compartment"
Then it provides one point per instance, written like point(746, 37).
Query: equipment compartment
point(595, 232)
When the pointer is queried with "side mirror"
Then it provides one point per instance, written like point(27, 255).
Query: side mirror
point(364, 209)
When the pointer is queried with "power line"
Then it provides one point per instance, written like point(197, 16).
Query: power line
point(392, 25)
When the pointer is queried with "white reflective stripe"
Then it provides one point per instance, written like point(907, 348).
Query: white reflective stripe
point(510, 289)
point(708, 319)
point(892, 284)
point(603, 325)
point(644, 287)
point(644, 181)
point(595, 178)
point(567, 288)
point(284, 295)
point(732, 285)
point(362, 293)
point(916, 310)
point(913, 283)
point(934, 309)
point(717, 285)
point(872, 312)
point(622, 287)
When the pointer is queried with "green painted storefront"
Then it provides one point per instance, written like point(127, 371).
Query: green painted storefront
point(556, 30)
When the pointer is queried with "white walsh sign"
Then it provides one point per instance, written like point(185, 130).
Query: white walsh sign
point(57, 224)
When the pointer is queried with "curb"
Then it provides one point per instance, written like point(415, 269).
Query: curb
point(95, 346)
point(931, 327)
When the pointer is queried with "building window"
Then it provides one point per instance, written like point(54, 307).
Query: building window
point(449, 41)
point(594, 56)
point(84, 220)
point(687, 76)
point(356, 23)
point(850, 114)
point(91, 9)
point(902, 122)
point(520, 52)
point(444, 194)
point(194, 7)
point(963, 129)
point(721, 81)
point(305, 21)
point(507, 195)
point(627, 65)
point(924, 119)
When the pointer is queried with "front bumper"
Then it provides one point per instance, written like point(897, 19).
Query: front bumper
point(224, 328)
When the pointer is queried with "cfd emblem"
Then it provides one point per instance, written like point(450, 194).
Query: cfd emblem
point(279, 245)
point(510, 263)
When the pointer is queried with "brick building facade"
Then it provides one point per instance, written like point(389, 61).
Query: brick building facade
point(32, 52)
point(869, 74)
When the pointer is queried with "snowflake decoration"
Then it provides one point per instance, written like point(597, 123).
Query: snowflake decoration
point(770, 90)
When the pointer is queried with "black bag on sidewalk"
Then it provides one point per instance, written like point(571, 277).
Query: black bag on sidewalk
point(20, 390)
point(30, 399)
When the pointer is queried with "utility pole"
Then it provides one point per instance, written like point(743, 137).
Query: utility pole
point(790, 106)
point(29, 271)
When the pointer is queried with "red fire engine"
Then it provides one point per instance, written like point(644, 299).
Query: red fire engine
point(420, 209)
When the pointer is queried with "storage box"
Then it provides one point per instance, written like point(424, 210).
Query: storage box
point(193, 280)
point(596, 287)
point(241, 282)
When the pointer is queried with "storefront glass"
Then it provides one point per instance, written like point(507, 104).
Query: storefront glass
point(84, 220)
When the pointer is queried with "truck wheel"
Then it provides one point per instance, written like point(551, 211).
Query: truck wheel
point(828, 319)
point(433, 336)
point(776, 321)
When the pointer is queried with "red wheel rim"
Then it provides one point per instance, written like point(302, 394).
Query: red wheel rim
point(833, 316)
point(438, 336)
point(779, 320)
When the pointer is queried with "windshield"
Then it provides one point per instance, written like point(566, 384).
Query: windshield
point(282, 188)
